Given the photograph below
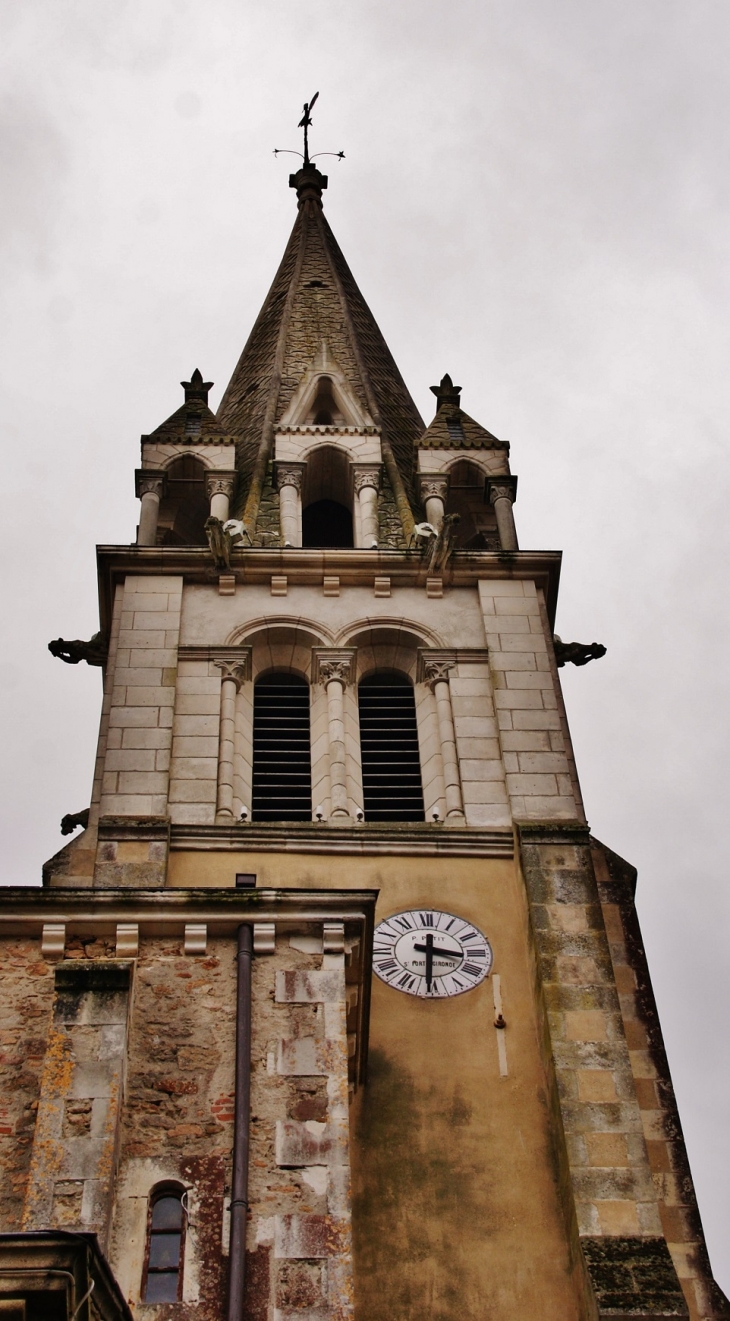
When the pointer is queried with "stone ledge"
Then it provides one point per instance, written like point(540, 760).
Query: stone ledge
point(413, 839)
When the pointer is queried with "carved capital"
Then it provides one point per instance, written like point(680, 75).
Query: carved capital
point(434, 666)
point(366, 475)
point(437, 672)
point(337, 664)
point(149, 482)
point(236, 670)
point(290, 474)
point(433, 486)
point(502, 488)
point(219, 483)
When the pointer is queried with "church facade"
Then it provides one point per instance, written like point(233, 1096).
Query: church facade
point(334, 1010)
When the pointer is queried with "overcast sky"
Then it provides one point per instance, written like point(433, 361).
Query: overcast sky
point(534, 198)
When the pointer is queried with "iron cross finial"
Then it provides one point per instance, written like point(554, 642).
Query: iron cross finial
point(305, 123)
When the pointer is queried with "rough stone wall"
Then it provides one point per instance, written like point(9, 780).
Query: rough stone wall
point(608, 1189)
point(179, 1117)
point(662, 1129)
point(299, 1242)
point(390, 527)
point(178, 1113)
point(27, 999)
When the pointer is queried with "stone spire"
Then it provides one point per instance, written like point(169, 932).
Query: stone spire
point(314, 297)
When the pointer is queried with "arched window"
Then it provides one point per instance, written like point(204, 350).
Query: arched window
point(165, 1245)
point(184, 508)
point(477, 527)
point(391, 764)
point(327, 495)
point(282, 764)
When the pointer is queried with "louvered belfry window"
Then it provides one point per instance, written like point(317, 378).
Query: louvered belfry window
point(391, 765)
point(282, 767)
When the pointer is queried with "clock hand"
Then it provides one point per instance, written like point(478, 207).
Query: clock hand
point(440, 953)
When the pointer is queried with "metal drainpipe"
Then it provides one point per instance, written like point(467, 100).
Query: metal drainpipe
point(239, 1190)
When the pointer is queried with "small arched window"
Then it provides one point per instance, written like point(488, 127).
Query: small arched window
point(165, 1245)
point(184, 508)
point(391, 763)
point(282, 763)
point(477, 527)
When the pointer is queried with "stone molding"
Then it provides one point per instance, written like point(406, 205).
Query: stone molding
point(319, 430)
point(330, 663)
point(149, 482)
point(219, 483)
point(502, 488)
point(433, 486)
point(290, 474)
point(366, 839)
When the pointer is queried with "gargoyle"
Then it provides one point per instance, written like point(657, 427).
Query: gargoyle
point(71, 820)
point(223, 537)
point(440, 547)
point(577, 653)
point(93, 652)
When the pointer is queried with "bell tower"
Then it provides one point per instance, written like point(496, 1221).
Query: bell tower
point(334, 1009)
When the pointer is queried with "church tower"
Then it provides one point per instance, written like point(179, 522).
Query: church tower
point(334, 1009)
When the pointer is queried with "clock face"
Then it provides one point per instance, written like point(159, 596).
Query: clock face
point(431, 954)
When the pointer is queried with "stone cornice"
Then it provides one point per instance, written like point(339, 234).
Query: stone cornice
point(355, 568)
point(368, 839)
point(328, 431)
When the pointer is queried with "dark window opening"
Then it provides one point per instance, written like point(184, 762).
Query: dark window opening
point(165, 1239)
point(324, 404)
point(327, 525)
point(391, 763)
point(184, 509)
point(282, 767)
point(477, 526)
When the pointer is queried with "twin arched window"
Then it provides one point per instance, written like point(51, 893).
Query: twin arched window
point(282, 766)
point(165, 1245)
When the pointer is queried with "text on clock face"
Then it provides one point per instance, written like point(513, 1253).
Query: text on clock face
point(429, 953)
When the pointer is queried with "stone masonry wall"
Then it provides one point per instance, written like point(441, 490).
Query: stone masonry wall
point(671, 1175)
point(609, 1195)
point(537, 761)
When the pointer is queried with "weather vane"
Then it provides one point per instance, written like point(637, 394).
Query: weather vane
point(306, 123)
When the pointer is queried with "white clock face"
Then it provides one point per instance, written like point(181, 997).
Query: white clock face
point(431, 954)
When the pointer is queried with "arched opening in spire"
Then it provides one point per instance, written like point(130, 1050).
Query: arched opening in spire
point(327, 503)
point(477, 525)
point(184, 508)
point(324, 408)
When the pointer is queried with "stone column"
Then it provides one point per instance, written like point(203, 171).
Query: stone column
point(150, 488)
point(289, 481)
point(334, 669)
point(367, 482)
point(219, 489)
point(437, 678)
point(233, 673)
point(434, 489)
point(502, 494)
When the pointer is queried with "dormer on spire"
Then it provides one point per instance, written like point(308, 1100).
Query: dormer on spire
point(196, 389)
point(446, 392)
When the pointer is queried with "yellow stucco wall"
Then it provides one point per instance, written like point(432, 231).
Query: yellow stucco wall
point(456, 1210)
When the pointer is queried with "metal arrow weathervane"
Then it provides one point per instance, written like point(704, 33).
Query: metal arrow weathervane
point(306, 123)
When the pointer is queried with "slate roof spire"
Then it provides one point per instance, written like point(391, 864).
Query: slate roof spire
point(313, 298)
